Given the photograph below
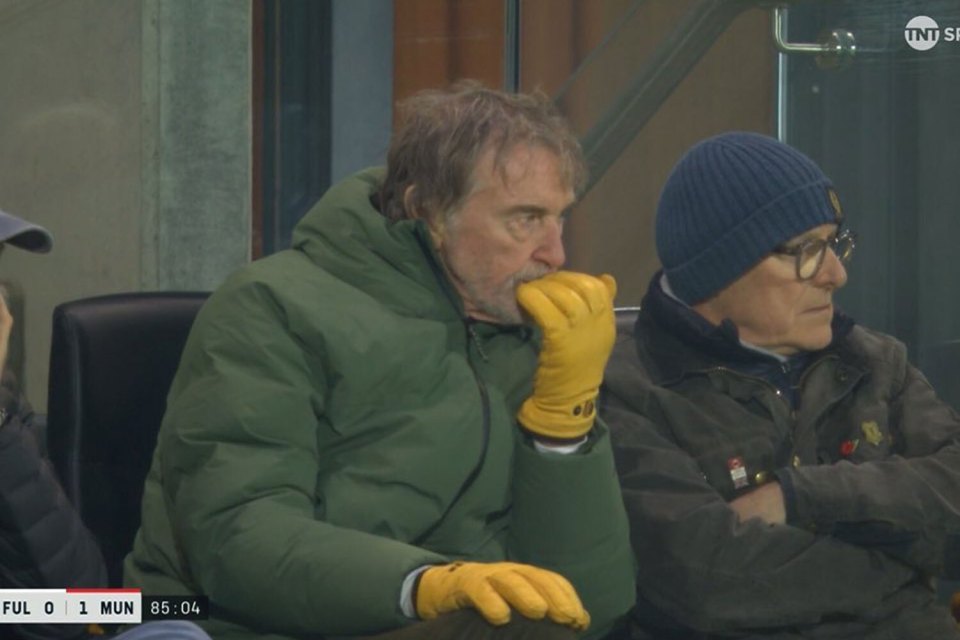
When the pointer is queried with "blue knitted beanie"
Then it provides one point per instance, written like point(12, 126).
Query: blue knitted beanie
point(728, 202)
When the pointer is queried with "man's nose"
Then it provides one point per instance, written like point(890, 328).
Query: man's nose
point(550, 250)
point(832, 273)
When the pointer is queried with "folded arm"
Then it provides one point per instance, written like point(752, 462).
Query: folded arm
point(907, 504)
point(703, 566)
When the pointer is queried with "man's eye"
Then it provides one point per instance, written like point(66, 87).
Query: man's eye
point(527, 219)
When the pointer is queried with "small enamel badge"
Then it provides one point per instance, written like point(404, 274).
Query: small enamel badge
point(738, 472)
point(871, 432)
point(847, 447)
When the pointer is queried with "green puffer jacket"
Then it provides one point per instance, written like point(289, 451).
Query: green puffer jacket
point(335, 423)
point(869, 463)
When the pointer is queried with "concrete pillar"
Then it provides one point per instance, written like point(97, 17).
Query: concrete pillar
point(127, 133)
point(196, 127)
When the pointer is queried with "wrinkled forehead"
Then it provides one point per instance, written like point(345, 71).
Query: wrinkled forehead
point(509, 163)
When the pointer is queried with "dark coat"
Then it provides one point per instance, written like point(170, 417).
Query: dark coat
point(868, 459)
point(43, 543)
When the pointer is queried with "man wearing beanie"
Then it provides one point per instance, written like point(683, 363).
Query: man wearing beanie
point(787, 472)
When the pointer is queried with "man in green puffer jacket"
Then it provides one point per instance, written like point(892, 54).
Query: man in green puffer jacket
point(367, 435)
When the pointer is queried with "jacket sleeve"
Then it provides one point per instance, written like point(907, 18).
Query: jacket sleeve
point(568, 517)
point(702, 567)
point(43, 543)
point(907, 504)
point(240, 462)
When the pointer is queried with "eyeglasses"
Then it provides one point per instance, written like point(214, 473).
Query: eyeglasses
point(809, 254)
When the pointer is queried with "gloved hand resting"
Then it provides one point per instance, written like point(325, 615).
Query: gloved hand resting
point(493, 588)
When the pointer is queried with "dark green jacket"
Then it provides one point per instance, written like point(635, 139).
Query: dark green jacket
point(335, 423)
point(869, 462)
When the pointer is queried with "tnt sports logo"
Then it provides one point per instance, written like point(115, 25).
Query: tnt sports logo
point(923, 33)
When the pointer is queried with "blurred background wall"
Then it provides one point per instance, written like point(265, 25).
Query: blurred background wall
point(167, 142)
point(126, 130)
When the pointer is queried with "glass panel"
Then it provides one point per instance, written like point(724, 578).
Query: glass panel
point(296, 123)
point(611, 42)
point(651, 78)
point(885, 129)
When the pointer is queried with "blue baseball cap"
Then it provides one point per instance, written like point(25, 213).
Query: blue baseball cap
point(23, 234)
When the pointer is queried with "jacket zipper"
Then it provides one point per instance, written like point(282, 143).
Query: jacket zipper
point(475, 472)
point(767, 383)
point(793, 412)
point(476, 342)
point(481, 387)
point(744, 376)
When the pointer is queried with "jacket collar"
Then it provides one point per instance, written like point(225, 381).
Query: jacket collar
point(394, 262)
point(673, 339)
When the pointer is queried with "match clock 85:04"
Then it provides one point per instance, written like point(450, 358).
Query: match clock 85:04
point(175, 608)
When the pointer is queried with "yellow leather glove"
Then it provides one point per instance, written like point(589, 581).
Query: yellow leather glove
point(493, 588)
point(575, 312)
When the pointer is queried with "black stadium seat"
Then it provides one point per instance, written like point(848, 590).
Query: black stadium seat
point(112, 360)
point(626, 318)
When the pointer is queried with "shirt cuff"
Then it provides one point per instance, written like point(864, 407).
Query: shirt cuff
point(562, 449)
point(406, 592)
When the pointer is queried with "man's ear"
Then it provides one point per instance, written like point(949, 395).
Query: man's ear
point(408, 202)
point(434, 222)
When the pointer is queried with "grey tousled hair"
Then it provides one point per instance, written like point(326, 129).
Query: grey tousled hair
point(443, 133)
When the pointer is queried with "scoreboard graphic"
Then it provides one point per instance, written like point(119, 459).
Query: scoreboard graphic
point(100, 606)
